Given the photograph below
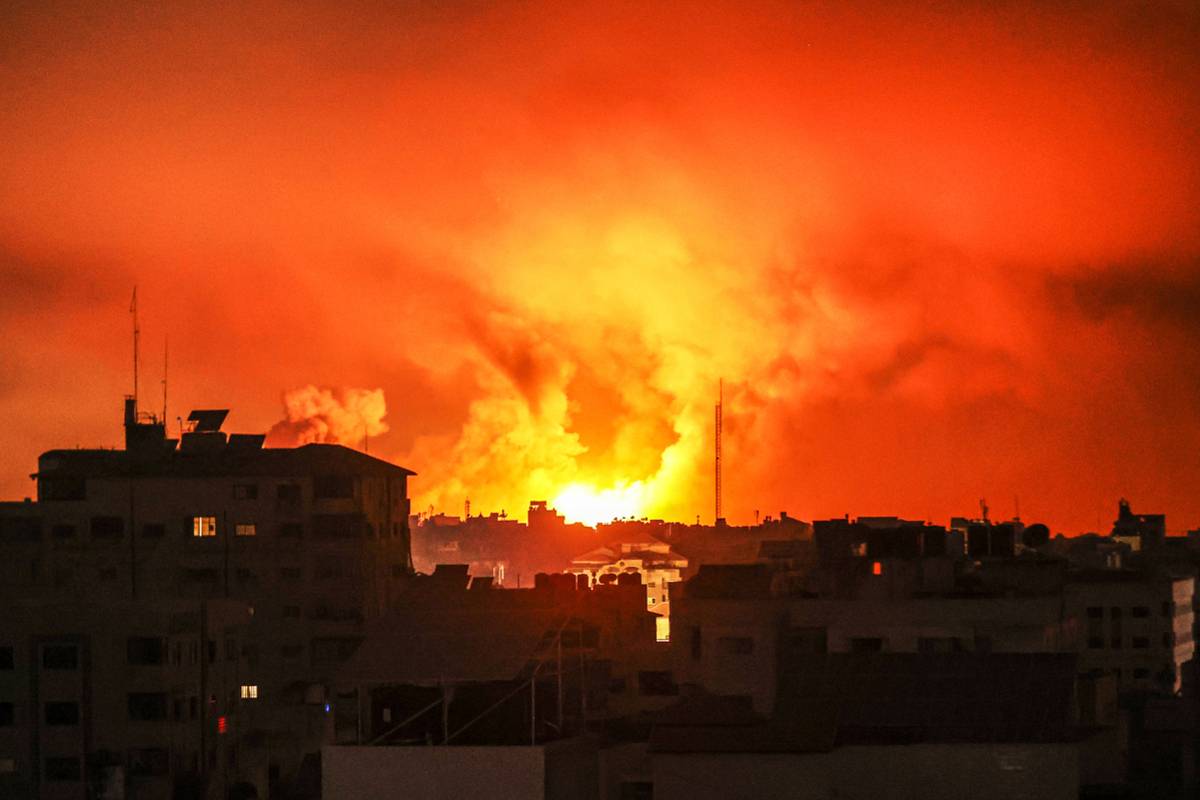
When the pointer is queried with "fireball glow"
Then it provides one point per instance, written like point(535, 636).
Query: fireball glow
point(580, 502)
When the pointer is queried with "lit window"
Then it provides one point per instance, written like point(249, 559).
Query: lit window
point(877, 568)
point(662, 629)
point(249, 691)
point(204, 526)
point(245, 529)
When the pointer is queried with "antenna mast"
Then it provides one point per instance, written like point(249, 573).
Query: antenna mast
point(166, 350)
point(136, 335)
point(717, 413)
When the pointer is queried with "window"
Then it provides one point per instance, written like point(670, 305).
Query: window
point(20, 529)
point(662, 629)
point(154, 530)
point(1168, 639)
point(204, 527)
point(876, 567)
point(1168, 608)
point(63, 532)
point(337, 526)
point(245, 529)
point(8, 765)
point(291, 650)
point(7, 714)
point(399, 570)
point(735, 645)
point(249, 691)
point(814, 639)
point(1141, 642)
point(1114, 612)
point(62, 713)
point(62, 488)
point(1095, 612)
point(145, 651)
point(206, 575)
point(108, 573)
point(332, 651)
point(192, 705)
point(290, 573)
point(1095, 642)
point(107, 527)
point(60, 656)
point(148, 761)
point(291, 612)
point(1140, 612)
point(60, 768)
point(332, 487)
point(245, 491)
point(657, 683)
point(147, 706)
point(697, 643)
point(291, 530)
point(288, 493)
point(637, 790)
point(939, 644)
point(6, 658)
point(866, 644)
point(1141, 673)
point(246, 575)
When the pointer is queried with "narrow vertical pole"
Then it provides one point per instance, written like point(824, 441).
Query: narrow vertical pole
point(560, 683)
point(533, 708)
point(445, 714)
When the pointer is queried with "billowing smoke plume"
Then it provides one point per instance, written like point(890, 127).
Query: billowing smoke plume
point(935, 256)
point(330, 416)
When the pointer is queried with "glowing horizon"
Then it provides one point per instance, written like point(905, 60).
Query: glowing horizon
point(584, 503)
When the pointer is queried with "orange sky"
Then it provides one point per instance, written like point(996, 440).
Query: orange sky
point(936, 256)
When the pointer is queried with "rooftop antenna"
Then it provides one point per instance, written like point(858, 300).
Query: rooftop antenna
point(467, 508)
point(136, 335)
point(166, 349)
point(983, 507)
point(717, 450)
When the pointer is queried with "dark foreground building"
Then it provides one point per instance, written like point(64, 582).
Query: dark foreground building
point(175, 611)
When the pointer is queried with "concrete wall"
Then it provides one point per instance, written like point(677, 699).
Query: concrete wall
point(432, 773)
point(925, 772)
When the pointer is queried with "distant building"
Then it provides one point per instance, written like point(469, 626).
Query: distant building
point(1136, 626)
point(1139, 531)
point(654, 561)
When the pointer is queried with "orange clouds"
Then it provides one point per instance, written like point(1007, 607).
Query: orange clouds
point(935, 256)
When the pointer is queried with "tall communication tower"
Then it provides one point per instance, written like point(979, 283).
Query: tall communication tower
point(717, 451)
point(137, 333)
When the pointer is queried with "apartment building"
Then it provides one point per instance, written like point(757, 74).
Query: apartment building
point(311, 541)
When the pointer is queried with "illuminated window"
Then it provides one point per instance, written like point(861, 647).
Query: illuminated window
point(877, 568)
point(245, 529)
point(204, 526)
point(662, 629)
point(858, 549)
point(249, 691)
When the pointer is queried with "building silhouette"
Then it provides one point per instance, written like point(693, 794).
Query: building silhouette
point(201, 592)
